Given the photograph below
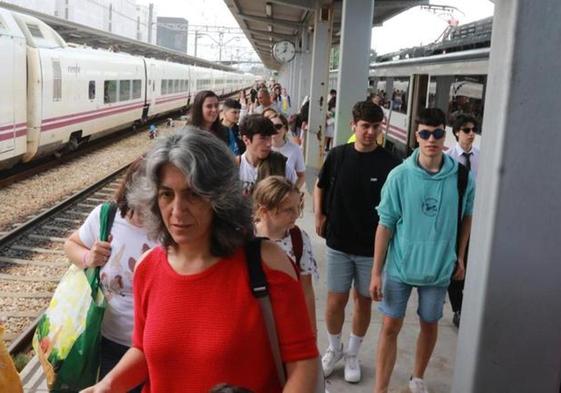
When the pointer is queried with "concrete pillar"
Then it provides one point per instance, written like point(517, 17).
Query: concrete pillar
point(323, 20)
point(510, 336)
point(352, 84)
point(305, 68)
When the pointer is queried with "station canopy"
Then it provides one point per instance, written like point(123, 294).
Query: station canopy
point(265, 22)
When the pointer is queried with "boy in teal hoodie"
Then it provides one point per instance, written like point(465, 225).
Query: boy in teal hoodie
point(418, 226)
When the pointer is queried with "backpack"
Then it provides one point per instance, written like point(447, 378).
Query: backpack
point(297, 244)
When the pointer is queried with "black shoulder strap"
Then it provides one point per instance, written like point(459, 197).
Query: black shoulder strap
point(297, 244)
point(338, 159)
point(258, 283)
point(463, 174)
point(257, 279)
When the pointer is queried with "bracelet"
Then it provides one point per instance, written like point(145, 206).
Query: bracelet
point(85, 259)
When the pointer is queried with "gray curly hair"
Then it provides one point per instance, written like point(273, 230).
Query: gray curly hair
point(212, 173)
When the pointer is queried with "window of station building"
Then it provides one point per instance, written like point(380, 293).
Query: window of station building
point(35, 30)
point(109, 92)
point(57, 81)
point(124, 90)
point(91, 90)
point(136, 88)
point(399, 95)
point(467, 95)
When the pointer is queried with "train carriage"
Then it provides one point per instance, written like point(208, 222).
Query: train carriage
point(13, 114)
point(55, 96)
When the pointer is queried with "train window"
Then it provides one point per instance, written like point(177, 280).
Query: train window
point(91, 90)
point(109, 92)
point(400, 95)
point(57, 81)
point(136, 88)
point(467, 97)
point(170, 86)
point(164, 89)
point(35, 30)
point(176, 86)
point(124, 90)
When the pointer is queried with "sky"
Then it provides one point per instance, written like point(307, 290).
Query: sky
point(411, 28)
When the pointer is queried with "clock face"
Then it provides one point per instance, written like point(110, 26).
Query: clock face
point(284, 51)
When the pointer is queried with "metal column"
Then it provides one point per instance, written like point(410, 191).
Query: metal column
point(510, 337)
point(323, 20)
point(305, 69)
point(352, 84)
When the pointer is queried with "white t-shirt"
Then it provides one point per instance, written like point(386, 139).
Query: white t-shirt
point(308, 264)
point(128, 244)
point(248, 174)
point(294, 155)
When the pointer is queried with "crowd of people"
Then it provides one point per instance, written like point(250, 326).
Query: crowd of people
point(176, 271)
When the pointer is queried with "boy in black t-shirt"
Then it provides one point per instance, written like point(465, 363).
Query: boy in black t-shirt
point(346, 194)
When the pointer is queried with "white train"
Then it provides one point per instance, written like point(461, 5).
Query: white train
point(54, 95)
point(452, 82)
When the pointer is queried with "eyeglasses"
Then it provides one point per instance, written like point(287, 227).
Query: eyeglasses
point(467, 130)
point(438, 133)
point(278, 127)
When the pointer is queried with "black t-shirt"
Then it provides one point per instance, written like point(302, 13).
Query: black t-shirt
point(352, 216)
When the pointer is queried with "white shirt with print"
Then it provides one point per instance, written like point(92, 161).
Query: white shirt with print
point(248, 174)
point(128, 244)
point(308, 264)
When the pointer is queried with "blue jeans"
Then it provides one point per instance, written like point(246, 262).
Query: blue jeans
point(396, 295)
point(343, 269)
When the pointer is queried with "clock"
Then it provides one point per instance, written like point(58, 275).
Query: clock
point(284, 51)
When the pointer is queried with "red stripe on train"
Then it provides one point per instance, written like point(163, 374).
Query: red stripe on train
point(87, 118)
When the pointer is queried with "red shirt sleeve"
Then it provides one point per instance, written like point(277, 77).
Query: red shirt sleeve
point(297, 341)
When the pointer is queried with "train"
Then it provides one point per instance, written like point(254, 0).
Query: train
point(454, 82)
point(54, 95)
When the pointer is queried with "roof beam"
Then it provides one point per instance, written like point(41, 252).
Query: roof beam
point(280, 22)
point(265, 33)
point(303, 4)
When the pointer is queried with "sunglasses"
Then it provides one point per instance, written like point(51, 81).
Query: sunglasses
point(467, 130)
point(438, 133)
point(278, 127)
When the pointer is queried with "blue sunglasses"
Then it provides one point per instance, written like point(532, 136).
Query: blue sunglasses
point(438, 133)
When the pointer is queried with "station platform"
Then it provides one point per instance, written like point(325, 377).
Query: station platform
point(440, 371)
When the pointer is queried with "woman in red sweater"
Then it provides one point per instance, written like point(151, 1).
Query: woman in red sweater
point(197, 323)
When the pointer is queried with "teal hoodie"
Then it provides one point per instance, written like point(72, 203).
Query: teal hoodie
point(421, 210)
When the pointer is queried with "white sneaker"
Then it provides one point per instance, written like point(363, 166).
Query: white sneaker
point(417, 385)
point(352, 369)
point(330, 359)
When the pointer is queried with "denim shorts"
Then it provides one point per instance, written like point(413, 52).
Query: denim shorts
point(343, 268)
point(396, 295)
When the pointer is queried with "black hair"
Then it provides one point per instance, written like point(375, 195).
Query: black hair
point(367, 111)
point(256, 124)
point(433, 117)
point(462, 119)
point(230, 103)
point(332, 91)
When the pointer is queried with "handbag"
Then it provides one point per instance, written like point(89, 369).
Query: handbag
point(259, 288)
point(68, 335)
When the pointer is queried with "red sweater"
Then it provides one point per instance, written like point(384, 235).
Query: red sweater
point(203, 329)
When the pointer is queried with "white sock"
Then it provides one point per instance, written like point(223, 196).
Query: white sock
point(354, 344)
point(334, 341)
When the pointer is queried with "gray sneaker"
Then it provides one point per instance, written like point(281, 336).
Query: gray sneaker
point(330, 359)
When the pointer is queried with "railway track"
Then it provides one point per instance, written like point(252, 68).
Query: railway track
point(32, 260)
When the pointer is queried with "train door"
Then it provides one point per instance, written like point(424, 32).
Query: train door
point(8, 97)
point(417, 101)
